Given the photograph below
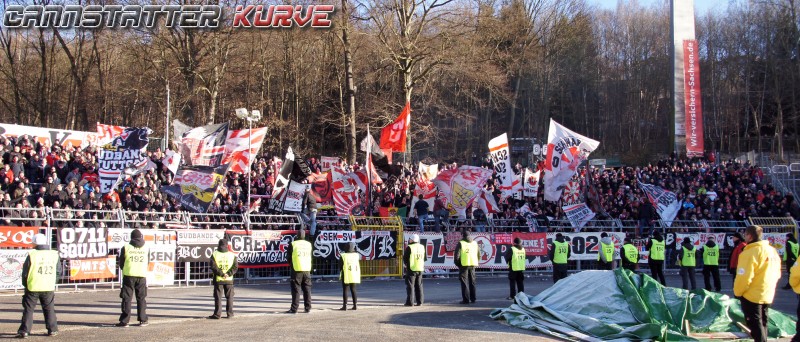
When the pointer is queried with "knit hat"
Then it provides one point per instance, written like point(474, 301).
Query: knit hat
point(40, 240)
point(223, 243)
point(415, 238)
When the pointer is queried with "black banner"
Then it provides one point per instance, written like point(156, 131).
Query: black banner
point(197, 245)
point(82, 243)
point(260, 248)
point(371, 244)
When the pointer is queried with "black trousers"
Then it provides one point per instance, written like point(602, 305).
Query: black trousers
point(516, 282)
point(755, 315)
point(300, 281)
point(657, 270)
point(47, 300)
point(466, 275)
point(414, 291)
point(559, 272)
point(129, 286)
point(605, 265)
point(353, 291)
point(712, 271)
point(221, 290)
point(687, 276)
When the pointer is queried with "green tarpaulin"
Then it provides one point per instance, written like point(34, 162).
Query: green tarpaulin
point(621, 305)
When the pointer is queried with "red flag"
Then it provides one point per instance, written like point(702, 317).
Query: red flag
point(393, 136)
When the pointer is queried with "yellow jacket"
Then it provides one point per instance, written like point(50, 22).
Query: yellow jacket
point(794, 277)
point(758, 272)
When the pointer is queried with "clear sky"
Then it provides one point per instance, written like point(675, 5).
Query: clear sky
point(701, 6)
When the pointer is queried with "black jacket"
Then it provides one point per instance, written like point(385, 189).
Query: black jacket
point(138, 243)
point(26, 266)
point(552, 252)
point(457, 253)
point(217, 272)
point(688, 246)
point(407, 256)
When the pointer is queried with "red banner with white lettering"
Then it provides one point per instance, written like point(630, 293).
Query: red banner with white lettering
point(393, 136)
point(17, 237)
point(692, 98)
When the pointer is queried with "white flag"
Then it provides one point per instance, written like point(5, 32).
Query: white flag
point(172, 160)
point(565, 151)
point(501, 158)
point(531, 183)
point(666, 203)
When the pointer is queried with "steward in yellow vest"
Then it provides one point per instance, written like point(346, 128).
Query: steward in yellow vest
point(133, 260)
point(467, 258)
point(39, 273)
point(657, 248)
point(223, 266)
point(687, 261)
point(299, 254)
point(351, 275)
point(516, 259)
point(414, 258)
point(711, 264)
point(605, 255)
point(790, 251)
point(630, 255)
point(559, 253)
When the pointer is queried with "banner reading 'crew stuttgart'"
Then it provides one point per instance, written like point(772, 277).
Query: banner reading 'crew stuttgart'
point(565, 151)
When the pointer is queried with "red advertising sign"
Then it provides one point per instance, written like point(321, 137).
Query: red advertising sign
point(534, 243)
point(17, 237)
point(692, 98)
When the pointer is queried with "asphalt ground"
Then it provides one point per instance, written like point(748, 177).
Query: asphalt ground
point(179, 314)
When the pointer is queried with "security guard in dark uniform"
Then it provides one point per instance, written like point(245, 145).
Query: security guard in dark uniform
point(223, 266)
point(133, 259)
point(559, 255)
point(711, 264)
point(300, 272)
point(39, 280)
point(515, 258)
point(655, 260)
point(351, 275)
point(466, 258)
point(414, 258)
point(630, 256)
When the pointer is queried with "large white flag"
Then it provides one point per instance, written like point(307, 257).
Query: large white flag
point(565, 151)
point(531, 183)
point(501, 158)
point(666, 203)
point(461, 186)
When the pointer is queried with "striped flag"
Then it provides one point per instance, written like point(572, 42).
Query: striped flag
point(236, 148)
point(106, 133)
point(205, 145)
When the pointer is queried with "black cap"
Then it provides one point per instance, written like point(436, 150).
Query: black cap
point(136, 235)
point(222, 243)
point(603, 234)
point(517, 241)
point(687, 240)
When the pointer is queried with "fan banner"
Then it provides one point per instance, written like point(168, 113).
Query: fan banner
point(566, 150)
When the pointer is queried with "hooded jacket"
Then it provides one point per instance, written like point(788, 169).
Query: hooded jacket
point(687, 245)
point(137, 240)
point(606, 240)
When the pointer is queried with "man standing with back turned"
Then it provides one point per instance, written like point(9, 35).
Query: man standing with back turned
point(414, 258)
point(757, 275)
point(133, 260)
point(466, 258)
point(300, 272)
point(224, 266)
point(39, 281)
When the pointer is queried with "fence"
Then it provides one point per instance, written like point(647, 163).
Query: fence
point(498, 234)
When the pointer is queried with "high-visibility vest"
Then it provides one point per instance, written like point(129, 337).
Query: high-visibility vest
point(657, 250)
point(517, 259)
point(42, 274)
point(631, 253)
point(135, 261)
point(688, 257)
point(560, 253)
point(469, 253)
point(224, 262)
point(416, 261)
point(301, 256)
point(351, 271)
point(791, 245)
point(608, 250)
point(711, 255)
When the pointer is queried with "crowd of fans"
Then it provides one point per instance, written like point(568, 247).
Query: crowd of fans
point(35, 176)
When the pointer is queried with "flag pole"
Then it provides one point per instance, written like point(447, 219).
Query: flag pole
point(369, 173)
